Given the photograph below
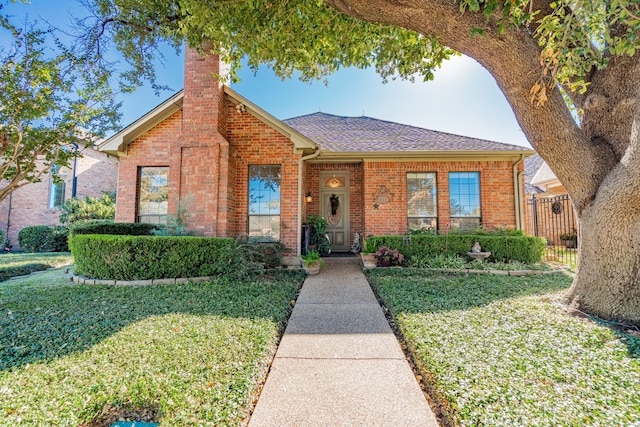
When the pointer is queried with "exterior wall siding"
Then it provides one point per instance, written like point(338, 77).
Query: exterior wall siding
point(157, 147)
point(496, 193)
point(252, 142)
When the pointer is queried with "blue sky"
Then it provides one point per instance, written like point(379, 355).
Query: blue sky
point(463, 99)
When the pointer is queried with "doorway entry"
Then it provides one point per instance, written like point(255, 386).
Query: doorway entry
point(334, 207)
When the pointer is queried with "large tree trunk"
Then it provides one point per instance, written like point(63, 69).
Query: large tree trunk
point(599, 164)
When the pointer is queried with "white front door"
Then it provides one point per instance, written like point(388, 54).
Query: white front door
point(334, 207)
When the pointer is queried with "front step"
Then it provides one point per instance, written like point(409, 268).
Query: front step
point(335, 260)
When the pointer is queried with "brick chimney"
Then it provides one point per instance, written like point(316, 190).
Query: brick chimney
point(203, 104)
point(204, 150)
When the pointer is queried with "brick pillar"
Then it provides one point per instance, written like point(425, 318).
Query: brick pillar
point(203, 148)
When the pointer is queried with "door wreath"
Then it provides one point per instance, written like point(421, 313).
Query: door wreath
point(334, 201)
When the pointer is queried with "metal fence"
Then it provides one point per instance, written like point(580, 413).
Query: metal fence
point(554, 219)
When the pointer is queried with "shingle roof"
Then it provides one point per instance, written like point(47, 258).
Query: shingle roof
point(532, 165)
point(366, 134)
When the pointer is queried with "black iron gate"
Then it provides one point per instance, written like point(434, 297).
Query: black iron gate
point(554, 219)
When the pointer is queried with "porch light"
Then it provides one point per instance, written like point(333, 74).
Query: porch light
point(308, 197)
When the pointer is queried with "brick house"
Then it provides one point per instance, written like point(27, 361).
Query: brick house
point(228, 167)
point(40, 203)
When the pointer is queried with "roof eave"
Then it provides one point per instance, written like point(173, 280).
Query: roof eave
point(117, 144)
point(426, 155)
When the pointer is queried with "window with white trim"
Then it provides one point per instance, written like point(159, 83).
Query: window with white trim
point(264, 202)
point(422, 201)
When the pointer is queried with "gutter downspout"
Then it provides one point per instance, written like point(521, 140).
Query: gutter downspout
point(301, 160)
point(517, 194)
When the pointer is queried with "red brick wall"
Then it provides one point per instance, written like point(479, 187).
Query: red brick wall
point(158, 147)
point(96, 174)
point(252, 142)
point(496, 198)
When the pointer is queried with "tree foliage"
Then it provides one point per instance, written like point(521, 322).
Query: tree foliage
point(307, 36)
point(51, 100)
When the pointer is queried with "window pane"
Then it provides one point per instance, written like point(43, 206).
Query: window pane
point(153, 195)
point(422, 223)
point(264, 202)
point(421, 195)
point(264, 228)
point(464, 194)
point(56, 191)
point(264, 190)
point(56, 198)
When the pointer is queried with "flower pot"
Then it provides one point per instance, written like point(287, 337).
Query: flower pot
point(385, 262)
point(369, 260)
point(312, 269)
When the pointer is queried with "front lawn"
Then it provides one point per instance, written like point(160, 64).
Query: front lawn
point(20, 264)
point(503, 351)
point(184, 354)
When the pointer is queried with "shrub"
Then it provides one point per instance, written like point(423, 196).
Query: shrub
point(154, 257)
point(44, 238)
point(110, 227)
point(21, 270)
point(90, 208)
point(525, 249)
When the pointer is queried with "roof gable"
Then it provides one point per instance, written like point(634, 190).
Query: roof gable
point(117, 144)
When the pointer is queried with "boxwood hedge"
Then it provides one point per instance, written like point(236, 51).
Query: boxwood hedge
point(44, 238)
point(110, 227)
point(152, 257)
point(525, 249)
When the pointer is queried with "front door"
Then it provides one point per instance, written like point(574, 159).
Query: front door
point(334, 207)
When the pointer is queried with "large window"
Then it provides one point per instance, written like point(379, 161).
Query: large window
point(153, 194)
point(422, 201)
point(464, 196)
point(264, 202)
point(56, 190)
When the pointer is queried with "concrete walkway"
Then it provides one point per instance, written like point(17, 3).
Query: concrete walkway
point(339, 363)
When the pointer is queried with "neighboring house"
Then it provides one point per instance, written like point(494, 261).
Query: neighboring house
point(227, 167)
point(549, 209)
point(40, 203)
point(540, 179)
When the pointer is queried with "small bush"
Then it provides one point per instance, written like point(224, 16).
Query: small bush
point(119, 228)
point(44, 238)
point(88, 209)
point(21, 270)
point(524, 249)
point(155, 257)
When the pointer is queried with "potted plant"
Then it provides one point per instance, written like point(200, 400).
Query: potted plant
point(368, 254)
point(387, 257)
point(318, 234)
point(569, 240)
point(312, 262)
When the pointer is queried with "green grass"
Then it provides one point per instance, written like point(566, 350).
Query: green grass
point(503, 351)
point(53, 259)
point(21, 264)
point(193, 353)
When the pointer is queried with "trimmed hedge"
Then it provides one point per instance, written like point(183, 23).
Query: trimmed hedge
point(44, 238)
point(152, 257)
point(525, 249)
point(119, 228)
point(21, 270)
